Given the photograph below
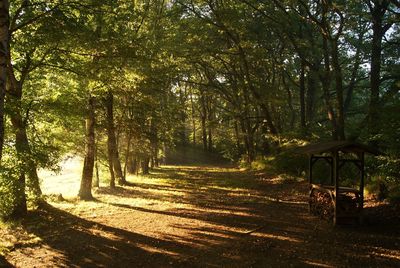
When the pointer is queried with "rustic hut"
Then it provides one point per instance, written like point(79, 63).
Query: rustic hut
point(331, 200)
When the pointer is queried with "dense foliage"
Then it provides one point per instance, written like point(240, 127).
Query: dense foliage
point(123, 82)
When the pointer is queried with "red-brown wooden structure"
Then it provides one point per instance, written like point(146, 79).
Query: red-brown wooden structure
point(333, 201)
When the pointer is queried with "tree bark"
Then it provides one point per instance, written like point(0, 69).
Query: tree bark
point(145, 165)
point(326, 78)
point(156, 162)
point(193, 119)
point(111, 166)
point(203, 116)
point(4, 52)
point(257, 96)
point(310, 96)
point(182, 113)
point(22, 145)
point(23, 149)
point(302, 97)
point(127, 152)
point(339, 90)
point(85, 191)
point(117, 167)
point(237, 137)
point(354, 72)
point(113, 155)
point(248, 140)
point(290, 103)
point(209, 124)
point(377, 10)
point(132, 165)
point(97, 177)
point(154, 141)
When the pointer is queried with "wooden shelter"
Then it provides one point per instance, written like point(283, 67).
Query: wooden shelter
point(331, 200)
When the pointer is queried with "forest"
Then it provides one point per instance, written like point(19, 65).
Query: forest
point(194, 106)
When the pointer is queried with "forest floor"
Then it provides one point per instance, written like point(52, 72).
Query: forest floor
point(188, 216)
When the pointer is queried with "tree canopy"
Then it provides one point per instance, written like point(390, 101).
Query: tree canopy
point(122, 83)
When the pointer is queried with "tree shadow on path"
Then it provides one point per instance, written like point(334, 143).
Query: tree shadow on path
point(208, 223)
point(4, 263)
point(84, 243)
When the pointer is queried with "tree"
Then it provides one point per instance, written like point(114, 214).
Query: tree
point(85, 191)
point(380, 25)
point(113, 155)
point(4, 52)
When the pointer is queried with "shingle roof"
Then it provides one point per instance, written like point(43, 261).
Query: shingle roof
point(332, 146)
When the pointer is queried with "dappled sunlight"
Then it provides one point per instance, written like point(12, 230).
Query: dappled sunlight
point(176, 217)
point(278, 237)
point(391, 254)
point(66, 181)
point(317, 264)
point(151, 249)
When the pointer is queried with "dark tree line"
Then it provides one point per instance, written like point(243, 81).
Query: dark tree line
point(122, 83)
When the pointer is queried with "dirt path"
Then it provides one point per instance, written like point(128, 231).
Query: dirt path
point(196, 217)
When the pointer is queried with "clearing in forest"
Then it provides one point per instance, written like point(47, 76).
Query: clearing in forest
point(196, 216)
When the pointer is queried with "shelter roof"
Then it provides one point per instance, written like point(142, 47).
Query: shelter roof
point(333, 146)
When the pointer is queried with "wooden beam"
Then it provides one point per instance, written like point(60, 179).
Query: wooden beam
point(336, 178)
point(362, 187)
point(310, 166)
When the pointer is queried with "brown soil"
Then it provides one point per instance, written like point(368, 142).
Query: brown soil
point(197, 217)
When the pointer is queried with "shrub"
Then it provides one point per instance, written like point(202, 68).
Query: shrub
point(290, 163)
point(384, 177)
point(9, 189)
point(284, 160)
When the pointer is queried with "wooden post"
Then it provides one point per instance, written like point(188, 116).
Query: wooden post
point(360, 217)
point(310, 165)
point(332, 171)
point(336, 176)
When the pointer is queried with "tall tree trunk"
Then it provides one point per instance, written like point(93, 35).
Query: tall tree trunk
point(85, 191)
point(354, 72)
point(258, 98)
point(210, 140)
point(268, 118)
point(237, 136)
point(290, 103)
point(127, 152)
point(145, 165)
point(203, 116)
point(310, 97)
point(112, 141)
point(97, 175)
point(154, 143)
point(22, 146)
point(193, 119)
point(326, 77)
point(182, 112)
point(23, 150)
point(4, 52)
point(337, 71)
point(117, 166)
point(326, 85)
point(135, 166)
point(132, 165)
point(302, 97)
point(110, 138)
point(155, 153)
point(248, 140)
point(96, 182)
point(209, 124)
point(377, 10)
point(110, 156)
